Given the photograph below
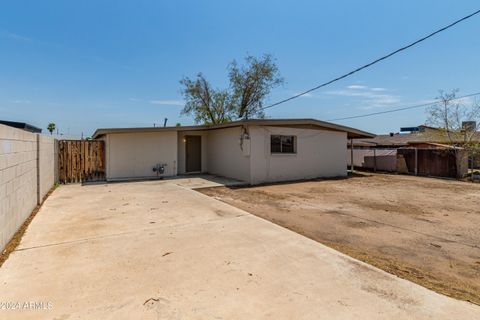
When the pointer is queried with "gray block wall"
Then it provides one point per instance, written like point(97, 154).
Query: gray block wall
point(27, 173)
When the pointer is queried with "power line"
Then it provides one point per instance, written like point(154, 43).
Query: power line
point(373, 62)
point(401, 109)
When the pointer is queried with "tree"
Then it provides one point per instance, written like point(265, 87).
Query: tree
point(51, 127)
point(249, 85)
point(459, 121)
point(209, 106)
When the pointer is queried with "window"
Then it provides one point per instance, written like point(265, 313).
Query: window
point(282, 144)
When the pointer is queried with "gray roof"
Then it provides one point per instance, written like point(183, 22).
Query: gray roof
point(430, 135)
point(303, 123)
point(21, 125)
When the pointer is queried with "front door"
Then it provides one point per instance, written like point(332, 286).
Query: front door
point(193, 153)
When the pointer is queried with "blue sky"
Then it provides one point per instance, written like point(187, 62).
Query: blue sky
point(89, 64)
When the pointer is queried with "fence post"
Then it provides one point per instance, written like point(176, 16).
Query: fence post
point(38, 167)
point(56, 169)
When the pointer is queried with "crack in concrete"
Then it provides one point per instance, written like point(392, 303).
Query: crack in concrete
point(179, 225)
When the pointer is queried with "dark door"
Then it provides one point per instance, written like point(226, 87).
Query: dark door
point(193, 153)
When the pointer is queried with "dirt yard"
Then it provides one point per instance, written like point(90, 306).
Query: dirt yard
point(421, 229)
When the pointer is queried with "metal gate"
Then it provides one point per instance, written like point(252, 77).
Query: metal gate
point(81, 160)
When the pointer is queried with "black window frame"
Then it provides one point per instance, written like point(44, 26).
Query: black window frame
point(283, 146)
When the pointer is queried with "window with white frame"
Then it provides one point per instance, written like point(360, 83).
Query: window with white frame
point(283, 144)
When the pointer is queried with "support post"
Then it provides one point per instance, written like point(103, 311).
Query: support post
point(472, 166)
point(374, 160)
point(416, 161)
point(351, 155)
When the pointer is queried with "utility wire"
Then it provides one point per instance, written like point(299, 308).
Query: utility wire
point(403, 108)
point(373, 62)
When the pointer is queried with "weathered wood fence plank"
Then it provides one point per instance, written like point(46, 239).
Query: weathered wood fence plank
point(81, 160)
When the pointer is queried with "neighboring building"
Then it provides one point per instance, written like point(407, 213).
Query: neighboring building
point(418, 134)
point(432, 159)
point(253, 151)
point(437, 155)
point(21, 125)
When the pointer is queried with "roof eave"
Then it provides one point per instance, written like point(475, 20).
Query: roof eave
point(351, 132)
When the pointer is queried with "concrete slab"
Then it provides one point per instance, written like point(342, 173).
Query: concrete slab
point(158, 250)
point(207, 181)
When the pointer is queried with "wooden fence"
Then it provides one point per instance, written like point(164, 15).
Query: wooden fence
point(429, 162)
point(81, 160)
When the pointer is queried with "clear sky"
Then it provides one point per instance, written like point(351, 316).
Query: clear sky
point(96, 63)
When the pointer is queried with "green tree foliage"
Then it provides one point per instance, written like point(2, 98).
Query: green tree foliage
point(51, 127)
point(249, 85)
point(207, 105)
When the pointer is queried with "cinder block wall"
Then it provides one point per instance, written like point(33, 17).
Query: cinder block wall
point(27, 172)
point(47, 160)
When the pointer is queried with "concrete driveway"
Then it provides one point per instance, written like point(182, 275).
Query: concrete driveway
point(159, 250)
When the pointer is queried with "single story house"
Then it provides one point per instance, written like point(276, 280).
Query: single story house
point(253, 151)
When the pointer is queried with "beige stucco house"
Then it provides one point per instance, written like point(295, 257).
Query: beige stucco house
point(253, 151)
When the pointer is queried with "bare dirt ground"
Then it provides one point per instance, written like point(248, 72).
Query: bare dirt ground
point(422, 229)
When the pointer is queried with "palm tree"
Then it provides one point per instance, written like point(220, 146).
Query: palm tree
point(51, 127)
